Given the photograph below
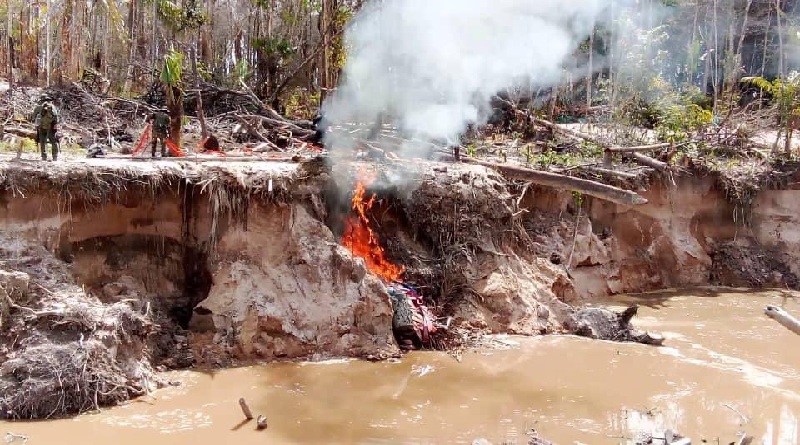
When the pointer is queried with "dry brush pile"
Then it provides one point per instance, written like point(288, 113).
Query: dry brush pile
point(65, 351)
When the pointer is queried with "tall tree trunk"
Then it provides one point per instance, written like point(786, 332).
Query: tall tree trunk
point(201, 115)
point(193, 56)
point(326, 17)
point(132, 20)
point(131, 47)
point(47, 52)
point(106, 41)
point(154, 41)
point(10, 28)
point(93, 48)
point(611, 45)
point(736, 68)
point(29, 48)
point(175, 107)
point(590, 74)
point(716, 59)
point(691, 64)
point(206, 47)
point(66, 40)
point(779, 14)
point(73, 35)
point(766, 42)
point(744, 30)
point(553, 102)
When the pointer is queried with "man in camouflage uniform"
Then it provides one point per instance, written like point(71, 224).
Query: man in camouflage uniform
point(160, 120)
point(45, 118)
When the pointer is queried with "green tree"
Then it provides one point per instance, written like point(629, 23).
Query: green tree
point(786, 95)
point(172, 81)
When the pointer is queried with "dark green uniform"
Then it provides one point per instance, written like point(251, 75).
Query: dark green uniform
point(45, 117)
point(160, 122)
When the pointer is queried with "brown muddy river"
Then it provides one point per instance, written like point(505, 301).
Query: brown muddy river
point(726, 368)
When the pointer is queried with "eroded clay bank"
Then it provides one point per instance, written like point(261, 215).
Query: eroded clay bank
point(111, 272)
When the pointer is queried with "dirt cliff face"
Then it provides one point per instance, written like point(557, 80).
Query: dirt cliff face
point(686, 235)
point(255, 276)
point(150, 265)
point(776, 223)
point(285, 288)
point(493, 280)
point(144, 266)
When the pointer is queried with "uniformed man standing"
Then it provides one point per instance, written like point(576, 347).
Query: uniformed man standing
point(160, 120)
point(45, 118)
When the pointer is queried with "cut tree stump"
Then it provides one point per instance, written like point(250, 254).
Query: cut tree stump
point(245, 409)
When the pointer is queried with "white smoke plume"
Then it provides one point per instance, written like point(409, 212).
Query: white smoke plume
point(433, 66)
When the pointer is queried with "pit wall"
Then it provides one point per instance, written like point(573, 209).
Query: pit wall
point(682, 237)
point(279, 286)
point(273, 282)
point(777, 222)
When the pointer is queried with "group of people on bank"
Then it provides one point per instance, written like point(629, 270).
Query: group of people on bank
point(46, 120)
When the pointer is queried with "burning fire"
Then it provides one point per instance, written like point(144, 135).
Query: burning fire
point(359, 238)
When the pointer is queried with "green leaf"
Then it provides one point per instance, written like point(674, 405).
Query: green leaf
point(173, 69)
point(762, 83)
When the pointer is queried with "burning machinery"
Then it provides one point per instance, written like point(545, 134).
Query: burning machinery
point(413, 322)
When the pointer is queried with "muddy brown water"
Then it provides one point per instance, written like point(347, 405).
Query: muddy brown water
point(726, 368)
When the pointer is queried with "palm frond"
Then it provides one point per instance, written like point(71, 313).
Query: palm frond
point(761, 83)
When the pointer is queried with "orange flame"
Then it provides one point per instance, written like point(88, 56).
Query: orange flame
point(359, 237)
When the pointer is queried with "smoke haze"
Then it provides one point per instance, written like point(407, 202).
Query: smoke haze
point(433, 66)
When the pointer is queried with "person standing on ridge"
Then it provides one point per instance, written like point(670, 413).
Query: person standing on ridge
point(160, 120)
point(45, 118)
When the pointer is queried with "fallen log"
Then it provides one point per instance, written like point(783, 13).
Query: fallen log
point(784, 318)
point(255, 133)
point(650, 162)
point(135, 103)
point(554, 127)
point(571, 133)
point(228, 158)
point(607, 161)
point(283, 125)
point(21, 132)
point(616, 173)
point(561, 182)
point(264, 109)
point(638, 148)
